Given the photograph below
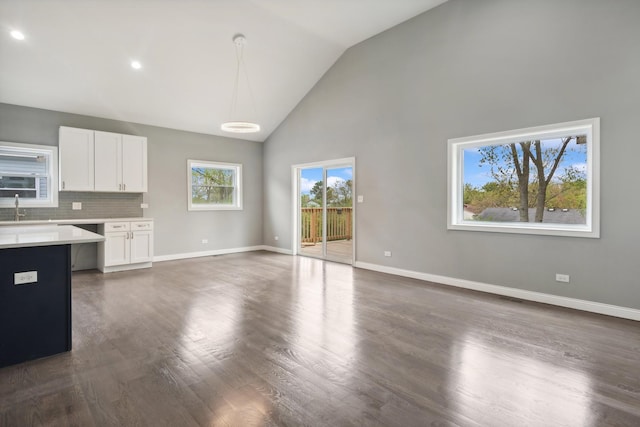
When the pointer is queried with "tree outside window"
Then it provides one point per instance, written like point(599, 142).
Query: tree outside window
point(537, 181)
point(214, 186)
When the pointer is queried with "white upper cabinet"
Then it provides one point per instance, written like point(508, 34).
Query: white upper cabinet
point(118, 162)
point(108, 161)
point(76, 154)
point(134, 163)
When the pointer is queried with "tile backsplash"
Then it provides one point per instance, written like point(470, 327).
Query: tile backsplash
point(94, 205)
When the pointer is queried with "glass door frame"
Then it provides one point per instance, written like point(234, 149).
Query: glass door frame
point(295, 179)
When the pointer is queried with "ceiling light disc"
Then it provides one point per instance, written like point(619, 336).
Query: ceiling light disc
point(240, 127)
point(18, 35)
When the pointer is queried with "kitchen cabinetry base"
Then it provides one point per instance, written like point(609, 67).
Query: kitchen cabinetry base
point(125, 267)
point(128, 245)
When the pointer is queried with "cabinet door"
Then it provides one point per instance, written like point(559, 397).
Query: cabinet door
point(76, 154)
point(134, 163)
point(108, 164)
point(141, 246)
point(116, 248)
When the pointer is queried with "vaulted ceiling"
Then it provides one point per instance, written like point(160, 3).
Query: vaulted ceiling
point(76, 55)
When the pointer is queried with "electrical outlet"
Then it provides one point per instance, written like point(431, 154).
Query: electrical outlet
point(562, 278)
point(205, 241)
point(360, 199)
point(76, 206)
point(387, 253)
point(25, 277)
point(144, 205)
point(276, 238)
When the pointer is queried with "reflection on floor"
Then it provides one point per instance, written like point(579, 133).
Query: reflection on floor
point(262, 339)
point(342, 249)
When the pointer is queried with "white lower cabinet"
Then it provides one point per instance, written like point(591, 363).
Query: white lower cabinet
point(127, 245)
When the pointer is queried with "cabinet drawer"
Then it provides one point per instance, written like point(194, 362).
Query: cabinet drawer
point(116, 226)
point(141, 225)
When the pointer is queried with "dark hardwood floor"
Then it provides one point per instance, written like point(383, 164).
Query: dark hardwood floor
point(262, 339)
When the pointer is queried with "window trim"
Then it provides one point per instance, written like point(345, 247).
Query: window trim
point(52, 152)
point(212, 206)
point(455, 181)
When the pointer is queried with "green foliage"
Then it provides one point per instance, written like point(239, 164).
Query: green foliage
point(469, 194)
point(537, 166)
point(491, 195)
point(316, 193)
point(338, 195)
point(341, 194)
point(571, 195)
point(212, 186)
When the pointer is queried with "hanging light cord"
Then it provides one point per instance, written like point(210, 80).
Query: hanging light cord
point(240, 126)
point(234, 98)
point(240, 63)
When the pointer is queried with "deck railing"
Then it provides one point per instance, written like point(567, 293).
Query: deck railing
point(338, 224)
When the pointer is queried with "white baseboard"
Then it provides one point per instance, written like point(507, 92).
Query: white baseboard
point(278, 250)
point(186, 255)
point(125, 267)
point(594, 307)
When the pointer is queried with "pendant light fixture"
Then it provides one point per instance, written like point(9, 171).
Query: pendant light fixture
point(240, 126)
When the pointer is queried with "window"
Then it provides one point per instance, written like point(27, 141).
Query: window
point(31, 172)
point(214, 185)
point(542, 180)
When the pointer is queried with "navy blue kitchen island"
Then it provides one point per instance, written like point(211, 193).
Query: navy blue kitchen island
point(35, 290)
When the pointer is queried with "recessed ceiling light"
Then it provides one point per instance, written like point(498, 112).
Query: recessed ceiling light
point(136, 65)
point(18, 35)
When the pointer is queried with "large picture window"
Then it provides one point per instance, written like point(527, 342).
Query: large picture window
point(30, 173)
point(214, 185)
point(542, 180)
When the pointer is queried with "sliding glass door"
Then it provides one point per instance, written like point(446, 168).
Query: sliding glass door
point(325, 211)
point(339, 214)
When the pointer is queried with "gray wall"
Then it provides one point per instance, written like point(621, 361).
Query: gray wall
point(177, 231)
point(464, 68)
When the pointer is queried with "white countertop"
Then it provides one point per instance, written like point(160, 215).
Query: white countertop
point(71, 221)
point(23, 236)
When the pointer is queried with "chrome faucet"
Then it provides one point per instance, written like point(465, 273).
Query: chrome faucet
point(18, 214)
